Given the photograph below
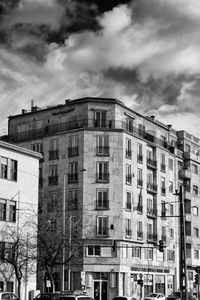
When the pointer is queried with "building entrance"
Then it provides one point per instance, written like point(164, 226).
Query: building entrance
point(100, 290)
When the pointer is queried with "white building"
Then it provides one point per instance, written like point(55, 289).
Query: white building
point(19, 169)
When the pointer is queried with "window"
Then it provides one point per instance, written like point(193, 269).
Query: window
point(129, 124)
point(190, 275)
point(187, 148)
point(171, 209)
point(139, 153)
point(124, 250)
point(73, 199)
point(196, 254)
point(162, 165)
point(128, 200)
point(128, 174)
point(195, 190)
point(4, 167)
point(136, 252)
point(170, 255)
point(188, 228)
point(141, 130)
point(128, 227)
point(139, 230)
point(163, 189)
point(128, 148)
point(102, 226)
point(163, 209)
point(196, 232)
point(52, 201)
point(53, 225)
point(102, 171)
point(171, 188)
point(103, 145)
point(93, 250)
point(140, 204)
point(73, 172)
point(149, 231)
point(73, 146)
point(102, 199)
point(188, 251)
point(180, 165)
point(2, 210)
point(100, 119)
point(171, 164)
point(13, 170)
point(53, 149)
point(139, 178)
point(148, 253)
point(171, 233)
point(195, 210)
point(12, 211)
point(38, 147)
point(163, 140)
point(194, 169)
point(53, 175)
point(163, 233)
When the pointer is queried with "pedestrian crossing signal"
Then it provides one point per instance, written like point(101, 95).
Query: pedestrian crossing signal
point(197, 278)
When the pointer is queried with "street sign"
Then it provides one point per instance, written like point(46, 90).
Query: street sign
point(197, 269)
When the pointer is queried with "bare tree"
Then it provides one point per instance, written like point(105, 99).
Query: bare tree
point(18, 250)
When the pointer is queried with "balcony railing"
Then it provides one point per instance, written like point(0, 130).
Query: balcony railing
point(101, 206)
point(151, 213)
point(152, 237)
point(164, 238)
point(103, 150)
point(73, 151)
point(151, 163)
point(53, 180)
point(53, 154)
point(152, 188)
point(73, 177)
point(102, 177)
point(128, 205)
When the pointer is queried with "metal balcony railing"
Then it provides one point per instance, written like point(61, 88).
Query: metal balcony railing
point(102, 177)
point(103, 150)
point(140, 158)
point(128, 153)
point(151, 163)
point(53, 154)
point(73, 151)
point(73, 177)
point(53, 180)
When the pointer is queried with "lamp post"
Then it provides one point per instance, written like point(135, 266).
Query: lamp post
point(64, 231)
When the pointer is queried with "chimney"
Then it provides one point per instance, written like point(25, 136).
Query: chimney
point(169, 126)
point(24, 111)
point(152, 118)
point(67, 101)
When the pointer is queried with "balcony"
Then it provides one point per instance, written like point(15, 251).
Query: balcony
point(151, 188)
point(184, 174)
point(102, 177)
point(73, 151)
point(152, 237)
point(140, 158)
point(151, 213)
point(73, 177)
point(53, 180)
point(164, 238)
point(53, 154)
point(104, 151)
point(151, 163)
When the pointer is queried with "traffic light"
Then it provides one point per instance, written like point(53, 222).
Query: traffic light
point(197, 278)
point(161, 247)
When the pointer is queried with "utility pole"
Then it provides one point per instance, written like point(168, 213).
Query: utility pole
point(182, 248)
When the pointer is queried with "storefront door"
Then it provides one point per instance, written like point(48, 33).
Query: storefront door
point(100, 290)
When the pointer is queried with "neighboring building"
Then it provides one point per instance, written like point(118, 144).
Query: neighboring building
point(18, 203)
point(122, 174)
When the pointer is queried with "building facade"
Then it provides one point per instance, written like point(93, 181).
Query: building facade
point(18, 201)
point(116, 171)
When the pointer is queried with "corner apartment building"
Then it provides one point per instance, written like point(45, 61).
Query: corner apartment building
point(18, 201)
point(122, 169)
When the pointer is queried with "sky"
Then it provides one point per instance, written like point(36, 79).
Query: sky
point(145, 53)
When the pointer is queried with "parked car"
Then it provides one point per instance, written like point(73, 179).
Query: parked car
point(123, 298)
point(155, 296)
point(48, 296)
point(8, 296)
point(177, 296)
point(76, 295)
